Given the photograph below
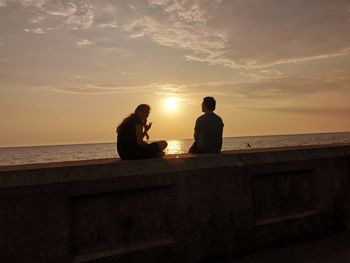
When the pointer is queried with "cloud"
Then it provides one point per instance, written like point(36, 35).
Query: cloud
point(37, 19)
point(310, 110)
point(83, 18)
point(284, 33)
point(62, 13)
point(122, 72)
point(254, 89)
point(108, 50)
point(2, 3)
point(84, 43)
point(38, 30)
point(274, 91)
point(99, 89)
point(34, 3)
point(159, 89)
point(246, 35)
point(242, 35)
point(158, 2)
point(313, 95)
point(62, 9)
point(181, 27)
point(51, 7)
point(112, 24)
point(337, 53)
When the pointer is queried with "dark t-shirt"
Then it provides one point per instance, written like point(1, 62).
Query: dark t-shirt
point(209, 128)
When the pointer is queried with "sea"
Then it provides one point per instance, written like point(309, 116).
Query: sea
point(72, 152)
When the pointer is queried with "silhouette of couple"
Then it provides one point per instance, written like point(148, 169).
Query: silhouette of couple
point(133, 129)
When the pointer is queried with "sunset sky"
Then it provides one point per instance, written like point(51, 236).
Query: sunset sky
point(70, 71)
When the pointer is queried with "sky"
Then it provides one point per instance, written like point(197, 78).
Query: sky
point(70, 71)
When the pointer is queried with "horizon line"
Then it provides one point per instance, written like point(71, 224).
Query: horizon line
point(90, 143)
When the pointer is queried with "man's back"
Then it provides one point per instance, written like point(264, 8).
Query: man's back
point(209, 128)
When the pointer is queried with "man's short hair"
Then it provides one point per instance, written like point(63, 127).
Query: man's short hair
point(210, 103)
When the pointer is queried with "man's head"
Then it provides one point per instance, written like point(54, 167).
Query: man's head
point(208, 104)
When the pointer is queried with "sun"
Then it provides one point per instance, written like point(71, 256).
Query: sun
point(171, 104)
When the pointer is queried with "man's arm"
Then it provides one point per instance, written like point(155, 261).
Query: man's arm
point(196, 131)
point(196, 134)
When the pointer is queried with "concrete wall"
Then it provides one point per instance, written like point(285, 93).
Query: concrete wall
point(177, 209)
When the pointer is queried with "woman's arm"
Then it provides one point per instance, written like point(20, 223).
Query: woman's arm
point(147, 127)
point(140, 134)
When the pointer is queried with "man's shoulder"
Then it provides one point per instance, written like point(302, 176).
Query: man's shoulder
point(200, 120)
point(213, 115)
point(201, 117)
point(218, 117)
point(209, 117)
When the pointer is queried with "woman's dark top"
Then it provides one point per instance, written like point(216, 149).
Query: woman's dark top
point(127, 145)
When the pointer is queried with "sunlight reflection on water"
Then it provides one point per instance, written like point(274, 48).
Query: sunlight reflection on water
point(177, 146)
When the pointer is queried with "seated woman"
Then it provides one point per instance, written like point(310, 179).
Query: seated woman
point(131, 131)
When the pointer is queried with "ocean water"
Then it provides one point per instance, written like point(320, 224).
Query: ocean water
point(58, 153)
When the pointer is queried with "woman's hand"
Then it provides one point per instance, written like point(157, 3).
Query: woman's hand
point(147, 127)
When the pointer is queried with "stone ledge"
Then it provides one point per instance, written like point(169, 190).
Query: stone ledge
point(46, 173)
point(186, 208)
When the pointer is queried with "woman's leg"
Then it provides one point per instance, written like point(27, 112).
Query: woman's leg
point(152, 150)
point(162, 145)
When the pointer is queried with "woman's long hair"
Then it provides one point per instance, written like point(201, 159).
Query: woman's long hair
point(140, 108)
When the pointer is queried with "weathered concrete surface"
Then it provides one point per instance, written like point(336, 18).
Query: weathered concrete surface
point(178, 209)
point(332, 249)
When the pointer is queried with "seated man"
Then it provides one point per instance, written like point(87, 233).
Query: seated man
point(208, 129)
